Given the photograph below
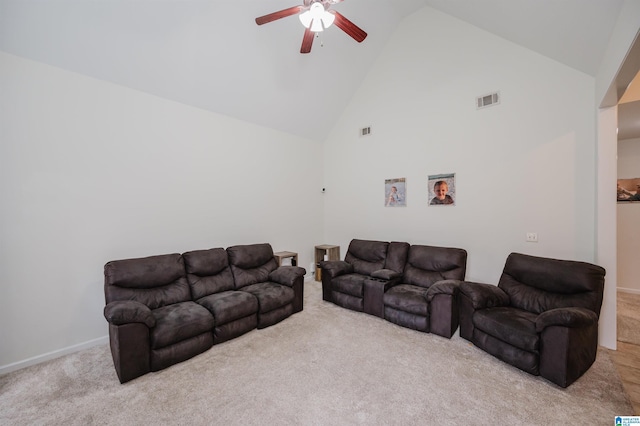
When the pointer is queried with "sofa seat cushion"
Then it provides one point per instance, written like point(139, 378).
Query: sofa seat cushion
point(407, 298)
point(178, 322)
point(270, 295)
point(228, 306)
point(510, 325)
point(351, 284)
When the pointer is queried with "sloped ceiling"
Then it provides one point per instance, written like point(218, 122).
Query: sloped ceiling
point(211, 54)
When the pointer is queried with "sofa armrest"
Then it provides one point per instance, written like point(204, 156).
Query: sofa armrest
point(335, 268)
point(449, 287)
point(566, 317)
point(386, 274)
point(129, 311)
point(484, 295)
point(287, 275)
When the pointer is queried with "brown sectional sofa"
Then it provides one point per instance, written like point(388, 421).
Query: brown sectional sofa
point(166, 309)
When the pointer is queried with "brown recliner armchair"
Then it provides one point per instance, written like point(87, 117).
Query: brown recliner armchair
point(542, 317)
point(426, 297)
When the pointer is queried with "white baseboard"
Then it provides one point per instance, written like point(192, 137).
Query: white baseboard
point(4, 369)
point(628, 290)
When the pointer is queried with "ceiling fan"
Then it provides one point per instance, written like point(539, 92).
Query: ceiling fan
point(316, 16)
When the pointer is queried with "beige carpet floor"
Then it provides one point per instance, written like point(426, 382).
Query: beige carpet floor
point(628, 317)
point(323, 366)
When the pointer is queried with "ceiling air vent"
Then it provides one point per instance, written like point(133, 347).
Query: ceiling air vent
point(365, 131)
point(488, 100)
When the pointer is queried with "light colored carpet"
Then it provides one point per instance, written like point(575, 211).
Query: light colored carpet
point(628, 317)
point(323, 366)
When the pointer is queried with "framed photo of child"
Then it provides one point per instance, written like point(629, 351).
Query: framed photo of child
point(395, 192)
point(442, 189)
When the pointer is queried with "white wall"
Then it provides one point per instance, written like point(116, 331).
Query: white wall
point(607, 122)
point(91, 171)
point(526, 165)
point(628, 224)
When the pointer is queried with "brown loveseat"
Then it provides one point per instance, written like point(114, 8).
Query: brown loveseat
point(166, 309)
point(414, 286)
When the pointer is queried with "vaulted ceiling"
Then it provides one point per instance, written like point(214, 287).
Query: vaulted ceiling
point(212, 55)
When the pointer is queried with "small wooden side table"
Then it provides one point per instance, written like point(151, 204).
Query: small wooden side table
point(281, 255)
point(332, 252)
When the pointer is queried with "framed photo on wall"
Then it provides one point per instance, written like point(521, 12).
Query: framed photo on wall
point(442, 189)
point(628, 190)
point(395, 192)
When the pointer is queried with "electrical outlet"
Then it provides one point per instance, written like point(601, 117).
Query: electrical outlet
point(532, 237)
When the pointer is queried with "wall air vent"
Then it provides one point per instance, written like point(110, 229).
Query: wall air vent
point(488, 100)
point(365, 131)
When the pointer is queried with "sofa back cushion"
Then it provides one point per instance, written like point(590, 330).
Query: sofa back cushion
point(366, 256)
point(396, 256)
point(538, 284)
point(154, 281)
point(427, 265)
point(251, 264)
point(208, 272)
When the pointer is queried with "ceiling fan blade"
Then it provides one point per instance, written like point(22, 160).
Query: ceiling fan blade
point(349, 27)
point(307, 41)
point(278, 15)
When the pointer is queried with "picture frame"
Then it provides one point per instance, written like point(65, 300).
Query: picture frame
point(442, 189)
point(628, 190)
point(395, 192)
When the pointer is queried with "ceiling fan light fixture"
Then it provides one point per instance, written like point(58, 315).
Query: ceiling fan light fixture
point(316, 18)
